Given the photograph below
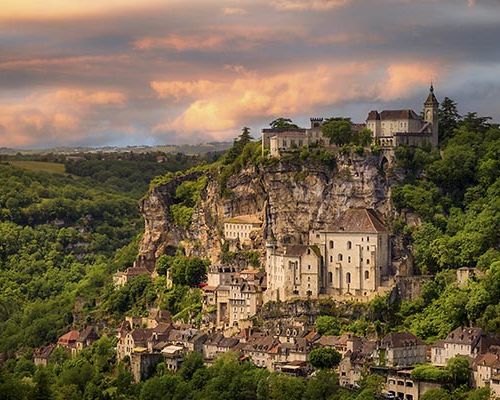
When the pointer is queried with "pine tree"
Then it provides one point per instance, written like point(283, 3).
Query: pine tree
point(449, 119)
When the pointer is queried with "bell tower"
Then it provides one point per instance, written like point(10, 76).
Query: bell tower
point(431, 108)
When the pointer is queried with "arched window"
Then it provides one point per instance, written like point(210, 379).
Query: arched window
point(348, 278)
point(331, 244)
point(330, 277)
point(349, 245)
point(349, 259)
point(340, 257)
point(367, 275)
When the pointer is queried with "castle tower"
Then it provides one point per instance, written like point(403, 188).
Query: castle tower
point(431, 108)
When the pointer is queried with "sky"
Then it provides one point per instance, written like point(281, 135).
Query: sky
point(130, 72)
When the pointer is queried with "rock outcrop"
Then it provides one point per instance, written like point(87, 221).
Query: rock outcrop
point(292, 196)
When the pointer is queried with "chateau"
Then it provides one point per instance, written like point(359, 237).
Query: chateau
point(390, 128)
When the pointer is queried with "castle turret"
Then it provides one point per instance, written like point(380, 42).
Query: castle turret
point(431, 109)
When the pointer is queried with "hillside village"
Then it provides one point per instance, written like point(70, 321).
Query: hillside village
point(351, 258)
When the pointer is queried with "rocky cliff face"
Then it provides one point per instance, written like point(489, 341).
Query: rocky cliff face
point(292, 196)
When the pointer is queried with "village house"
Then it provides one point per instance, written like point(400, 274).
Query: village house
point(173, 356)
point(85, 339)
point(245, 295)
point(241, 227)
point(401, 385)
point(121, 278)
point(42, 355)
point(135, 340)
point(463, 341)
point(400, 349)
point(343, 344)
point(68, 340)
point(392, 128)
point(217, 344)
point(292, 272)
point(485, 367)
point(353, 367)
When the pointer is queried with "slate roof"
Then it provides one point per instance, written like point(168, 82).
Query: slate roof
point(360, 220)
point(88, 333)
point(44, 352)
point(390, 115)
point(464, 335)
point(400, 339)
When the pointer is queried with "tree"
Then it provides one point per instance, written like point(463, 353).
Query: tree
point(363, 138)
point(324, 357)
point(436, 394)
point(322, 386)
point(459, 370)
point(282, 123)
point(449, 119)
point(327, 325)
point(472, 122)
point(338, 130)
point(192, 362)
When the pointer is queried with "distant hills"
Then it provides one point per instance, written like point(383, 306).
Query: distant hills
point(189, 149)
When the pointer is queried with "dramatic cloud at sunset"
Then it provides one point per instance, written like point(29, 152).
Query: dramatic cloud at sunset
point(119, 72)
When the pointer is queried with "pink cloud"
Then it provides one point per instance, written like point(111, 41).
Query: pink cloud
point(181, 89)
point(53, 114)
point(233, 103)
point(234, 11)
point(299, 5)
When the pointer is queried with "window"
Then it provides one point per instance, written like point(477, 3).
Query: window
point(330, 277)
point(339, 258)
point(331, 244)
point(409, 384)
point(368, 261)
point(349, 245)
point(348, 278)
point(349, 259)
point(367, 275)
point(331, 258)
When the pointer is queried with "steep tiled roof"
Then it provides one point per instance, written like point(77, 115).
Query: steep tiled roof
point(359, 220)
point(88, 333)
point(373, 116)
point(464, 335)
point(400, 339)
point(141, 335)
point(398, 114)
point(44, 352)
point(69, 337)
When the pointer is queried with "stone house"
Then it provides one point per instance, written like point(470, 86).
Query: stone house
point(245, 295)
point(217, 344)
point(400, 349)
point(173, 356)
point(343, 344)
point(293, 272)
point(353, 367)
point(356, 254)
point(392, 128)
point(278, 140)
point(241, 227)
point(143, 364)
point(462, 341)
point(85, 339)
point(42, 354)
point(262, 350)
point(133, 341)
point(401, 385)
point(484, 368)
point(121, 278)
point(68, 340)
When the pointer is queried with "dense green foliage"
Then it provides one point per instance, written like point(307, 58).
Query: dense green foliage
point(324, 357)
point(340, 132)
point(58, 235)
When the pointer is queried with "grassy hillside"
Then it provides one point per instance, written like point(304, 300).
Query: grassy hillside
point(40, 166)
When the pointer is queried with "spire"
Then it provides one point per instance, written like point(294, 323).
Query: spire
point(431, 99)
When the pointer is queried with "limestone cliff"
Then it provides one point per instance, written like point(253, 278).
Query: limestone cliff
point(292, 196)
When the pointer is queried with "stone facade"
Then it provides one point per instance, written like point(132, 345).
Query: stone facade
point(350, 260)
point(400, 349)
point(392, 128)
point(241, 227)
point(401, 385)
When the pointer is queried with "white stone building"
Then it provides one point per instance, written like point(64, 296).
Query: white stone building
point(241, 227)
point(392, 128)
point(293, 271)
point(356, 254)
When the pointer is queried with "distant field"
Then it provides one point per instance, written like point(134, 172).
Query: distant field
point(51, 167)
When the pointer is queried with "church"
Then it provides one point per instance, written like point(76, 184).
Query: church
point(392, 128)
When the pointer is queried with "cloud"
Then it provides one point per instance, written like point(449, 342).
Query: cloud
point(234, 11)
point(299, 5)
point(180, 89)
point(231, 104)
point(471, 3)
point(56, 115)
point(227, 37)
point(36, 9)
